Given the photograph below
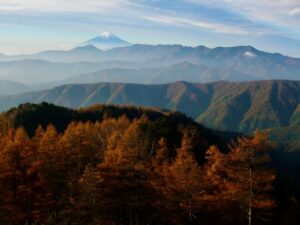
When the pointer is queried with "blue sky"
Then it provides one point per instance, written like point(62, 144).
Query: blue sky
point(28, 26)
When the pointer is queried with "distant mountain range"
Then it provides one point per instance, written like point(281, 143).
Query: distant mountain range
point(149, 65)
point(10, 87)
point(179, 72)
point(241, 107)
point(33, 71)
point(160, 54)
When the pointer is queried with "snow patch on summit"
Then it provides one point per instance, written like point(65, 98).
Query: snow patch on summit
point(249, 54)
point(107, 34)
point(105, 41)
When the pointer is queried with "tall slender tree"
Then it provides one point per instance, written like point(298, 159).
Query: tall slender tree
point(184, 179)
point(250, 177)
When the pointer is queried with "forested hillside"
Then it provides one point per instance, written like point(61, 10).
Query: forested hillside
point(241, 107)
point(127, 165)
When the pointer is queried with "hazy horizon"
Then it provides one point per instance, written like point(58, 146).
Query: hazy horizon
point(30, 26)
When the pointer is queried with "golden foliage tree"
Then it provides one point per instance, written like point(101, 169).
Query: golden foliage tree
point(24, 191)
point(184, 180)
point(249, 177)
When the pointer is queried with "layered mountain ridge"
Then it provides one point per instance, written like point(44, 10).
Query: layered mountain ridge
point(149, 65)
point(242, 107)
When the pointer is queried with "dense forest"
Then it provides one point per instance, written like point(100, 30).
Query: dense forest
point(136, 166)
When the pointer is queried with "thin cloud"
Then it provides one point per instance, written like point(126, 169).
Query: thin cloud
point(217, 27)
point(58, 5)
point(279, 12)
point(295, 11)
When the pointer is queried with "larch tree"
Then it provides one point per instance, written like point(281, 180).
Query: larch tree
point(126, 176)
point(108, 126)
point(184, 178)
point(24, 191)
point(91, 206)
point(218, 192)
point(53, 168)
point(161, 158)
point(134, 142)
point(250, 177)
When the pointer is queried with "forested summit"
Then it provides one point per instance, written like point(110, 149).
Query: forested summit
point(30, 116)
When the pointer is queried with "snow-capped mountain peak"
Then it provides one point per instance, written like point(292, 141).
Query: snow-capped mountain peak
point(107, 34)
point(106, 40)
